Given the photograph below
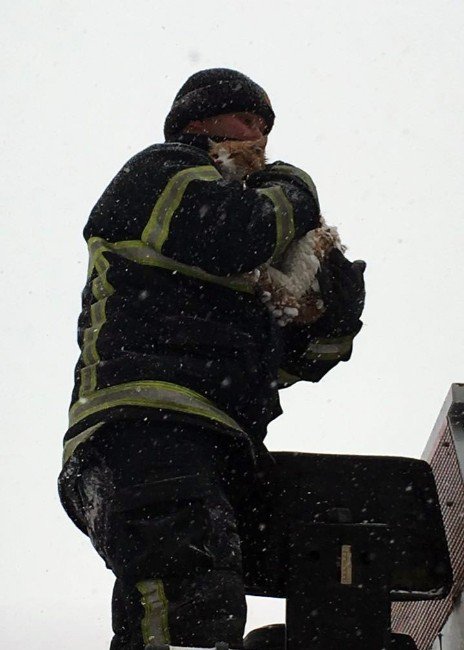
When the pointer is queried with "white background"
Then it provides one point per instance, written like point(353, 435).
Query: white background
point(369, 100)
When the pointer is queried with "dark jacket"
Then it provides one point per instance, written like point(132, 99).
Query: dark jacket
point(170, 325)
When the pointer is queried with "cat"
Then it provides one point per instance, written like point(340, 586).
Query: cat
point(235, 159)
point(289, 288)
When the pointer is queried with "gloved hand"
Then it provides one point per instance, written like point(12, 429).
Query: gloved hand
point(342, 290)
point(281, 172)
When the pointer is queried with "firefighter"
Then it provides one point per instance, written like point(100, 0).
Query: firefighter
point(181, 363)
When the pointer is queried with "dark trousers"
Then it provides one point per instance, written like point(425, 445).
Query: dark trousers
point(159, 505)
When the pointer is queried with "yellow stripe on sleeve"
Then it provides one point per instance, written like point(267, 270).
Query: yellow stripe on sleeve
point(285, 226)
point(156, 231)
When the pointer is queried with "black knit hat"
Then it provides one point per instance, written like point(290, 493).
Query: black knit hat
point(215, 92)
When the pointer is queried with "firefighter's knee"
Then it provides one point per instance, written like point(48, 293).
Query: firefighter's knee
point(166, 527)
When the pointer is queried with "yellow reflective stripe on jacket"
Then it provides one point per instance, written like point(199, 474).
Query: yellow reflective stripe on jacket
point(328, 349)
point(299, 173)
point(71, 445)
point(157, 229)
point(285, 226)
point(155, 624)
point(150, 394)
point(90, 356)
point(137, 251)
point(286, 379)
point(101, 288)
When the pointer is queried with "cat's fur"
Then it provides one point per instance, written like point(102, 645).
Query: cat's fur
point(290, 289)
point(238, 158)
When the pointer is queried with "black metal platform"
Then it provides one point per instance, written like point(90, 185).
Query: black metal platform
point(340, 537)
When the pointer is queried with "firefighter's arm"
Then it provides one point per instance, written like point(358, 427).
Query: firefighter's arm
point(225, 227)
point(311, 351)
point(174, 200)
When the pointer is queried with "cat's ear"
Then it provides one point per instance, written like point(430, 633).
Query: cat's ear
point(210, 142)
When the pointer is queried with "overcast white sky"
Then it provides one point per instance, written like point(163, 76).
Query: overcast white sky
point(369, 98)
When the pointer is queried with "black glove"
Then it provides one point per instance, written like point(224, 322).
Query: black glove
point(342, 290)
point(281, 172)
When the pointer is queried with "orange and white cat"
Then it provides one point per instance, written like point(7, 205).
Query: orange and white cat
point(289, 289)
point(236, 159)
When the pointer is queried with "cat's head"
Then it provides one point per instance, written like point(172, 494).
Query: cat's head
point(237, 158)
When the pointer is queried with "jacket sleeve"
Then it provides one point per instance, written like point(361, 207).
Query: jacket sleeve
point(224, 227)
point(310, 351)
point(309, 356)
